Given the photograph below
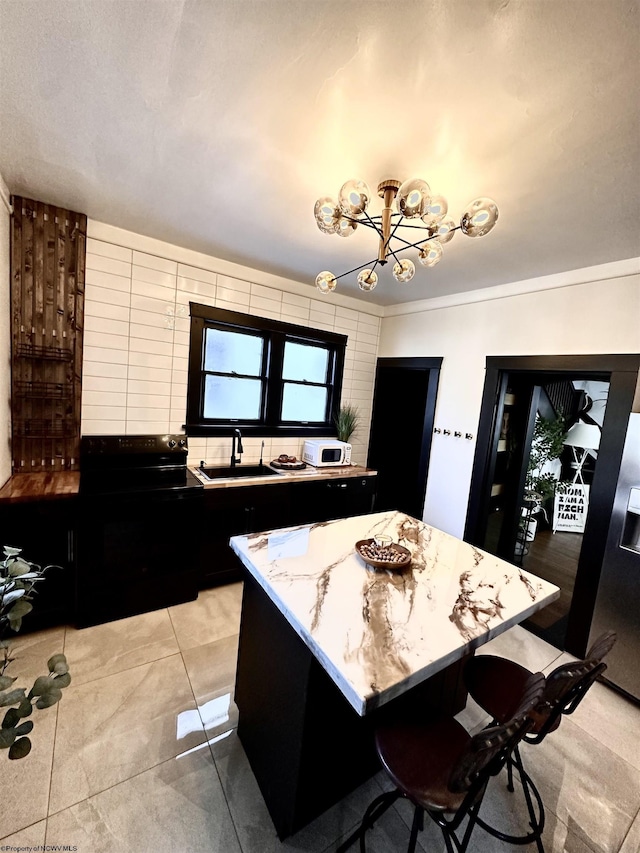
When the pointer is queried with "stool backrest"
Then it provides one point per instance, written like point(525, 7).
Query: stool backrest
point(567, 686)
point(489, 748)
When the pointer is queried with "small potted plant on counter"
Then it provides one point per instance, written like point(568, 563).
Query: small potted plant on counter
point(18, 578)
point(347, 421)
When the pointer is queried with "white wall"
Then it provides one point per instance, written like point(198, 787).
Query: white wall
point(5, 337)
point(136, 341)
point(574, 313)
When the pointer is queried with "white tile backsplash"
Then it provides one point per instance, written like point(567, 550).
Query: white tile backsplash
point(154, 262)
point(108, 250)
point(137, 346)
point(110, 265)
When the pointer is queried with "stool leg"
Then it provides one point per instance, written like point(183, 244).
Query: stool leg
point(535, 821)
point(416, 826)
point(375, 810)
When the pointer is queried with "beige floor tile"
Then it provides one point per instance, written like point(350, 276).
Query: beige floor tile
point(176, 807)
point(609, 717)
point(25, 783)
point(115, 646)
point(523, 647)
point(213, 616)
point(115, 727)
point(212, 671)
point(631, 843)
point(255, 828)
point(593, 791)
point(25, 839)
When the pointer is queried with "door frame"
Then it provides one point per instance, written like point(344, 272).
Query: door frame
point(621, 371)
point(432, 364)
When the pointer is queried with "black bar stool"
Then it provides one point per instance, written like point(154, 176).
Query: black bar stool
point(495, 684)
point(442, 770)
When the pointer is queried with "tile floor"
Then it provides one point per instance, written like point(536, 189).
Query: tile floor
point(141, 754)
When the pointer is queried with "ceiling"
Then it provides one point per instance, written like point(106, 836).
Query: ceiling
point(215, 125)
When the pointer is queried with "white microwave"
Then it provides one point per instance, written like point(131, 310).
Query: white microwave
point(321, 453)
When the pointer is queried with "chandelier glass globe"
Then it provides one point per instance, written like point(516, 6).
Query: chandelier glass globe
point(404, 271)
point(479, 217)
point(345, 227)
point(327, 214)
point(354, 197)
point(367, 280)
point(430, 253)
point(435, 210)
point(326, 281)
point(413, 198)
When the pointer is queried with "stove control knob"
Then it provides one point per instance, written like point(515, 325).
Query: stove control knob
point(172, 444)
point(182, 442)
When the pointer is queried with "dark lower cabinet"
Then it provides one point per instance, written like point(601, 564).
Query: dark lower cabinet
point(136, 553)
point(324, 500)
point(250, 509)
point(45, 530)
point(233, 512)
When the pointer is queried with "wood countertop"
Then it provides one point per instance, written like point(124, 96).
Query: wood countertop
point(21, 488)
point(284, 476)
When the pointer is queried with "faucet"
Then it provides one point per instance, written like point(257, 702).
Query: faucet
point(236, 434)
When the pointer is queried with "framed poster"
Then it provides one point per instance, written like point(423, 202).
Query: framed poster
point(570, 508)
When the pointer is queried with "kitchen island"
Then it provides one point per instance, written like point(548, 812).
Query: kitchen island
point(328, 645)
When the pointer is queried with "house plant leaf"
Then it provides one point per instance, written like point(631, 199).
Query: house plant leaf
point(7, 737)
point(49, 699)
point(6, 681)
point(19, 567)
point(11, 697)
point(11, 719)
point(24, 728)
point(58, 663)
point(20, 748)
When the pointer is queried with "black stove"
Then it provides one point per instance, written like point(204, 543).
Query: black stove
point(124, 464)
point(140, 526)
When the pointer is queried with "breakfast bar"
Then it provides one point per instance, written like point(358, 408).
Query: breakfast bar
point(329, 644)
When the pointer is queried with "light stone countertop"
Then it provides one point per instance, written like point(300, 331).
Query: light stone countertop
point(284, 476)
point(377, 632)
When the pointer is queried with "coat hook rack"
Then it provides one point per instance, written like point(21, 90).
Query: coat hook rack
point(446, 431)
point(437, 430)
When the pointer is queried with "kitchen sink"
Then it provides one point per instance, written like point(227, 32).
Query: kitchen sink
point(233, 472)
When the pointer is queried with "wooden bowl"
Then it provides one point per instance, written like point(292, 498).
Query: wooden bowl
point(371, 560)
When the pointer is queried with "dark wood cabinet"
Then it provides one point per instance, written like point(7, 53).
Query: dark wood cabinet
point(250, 509)
point(45, 530)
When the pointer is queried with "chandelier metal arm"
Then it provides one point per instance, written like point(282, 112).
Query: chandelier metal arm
point(373, 261)
point(408, 245)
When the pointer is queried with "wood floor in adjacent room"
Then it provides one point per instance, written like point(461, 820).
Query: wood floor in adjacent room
point(554, 557)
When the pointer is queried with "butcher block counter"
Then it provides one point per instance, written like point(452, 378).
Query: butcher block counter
point(40, 487)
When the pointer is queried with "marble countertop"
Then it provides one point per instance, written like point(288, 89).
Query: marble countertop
point(377, 632)
point(284, 476)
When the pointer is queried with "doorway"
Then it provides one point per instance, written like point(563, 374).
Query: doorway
point(401, 430)
point(508, 516)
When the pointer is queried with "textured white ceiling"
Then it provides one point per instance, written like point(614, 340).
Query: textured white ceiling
point(215, 125)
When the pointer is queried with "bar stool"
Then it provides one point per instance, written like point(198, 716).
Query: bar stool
point(442, 770)
point(495, 684)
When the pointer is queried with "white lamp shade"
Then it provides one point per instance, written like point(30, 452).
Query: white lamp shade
point(584, 435)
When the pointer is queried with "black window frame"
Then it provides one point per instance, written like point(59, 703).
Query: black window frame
point(275, 334)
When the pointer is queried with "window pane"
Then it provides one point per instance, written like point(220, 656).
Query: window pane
point(226, 397)
point(233, 352)
point(303, 403)
point(305, 362)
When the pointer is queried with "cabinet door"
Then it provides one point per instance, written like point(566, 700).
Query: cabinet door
point(324, 500)
point(233, 512)
point(45, 531)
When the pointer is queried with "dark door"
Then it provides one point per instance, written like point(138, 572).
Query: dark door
point(492, 514)
point(401, 430)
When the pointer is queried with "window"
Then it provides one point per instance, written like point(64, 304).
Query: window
point(263, 376)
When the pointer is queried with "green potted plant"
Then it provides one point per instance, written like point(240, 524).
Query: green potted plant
point(347, 421)
point(18, 579)
point(541, 480)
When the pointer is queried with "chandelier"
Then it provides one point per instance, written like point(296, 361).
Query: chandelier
point(414, 201)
